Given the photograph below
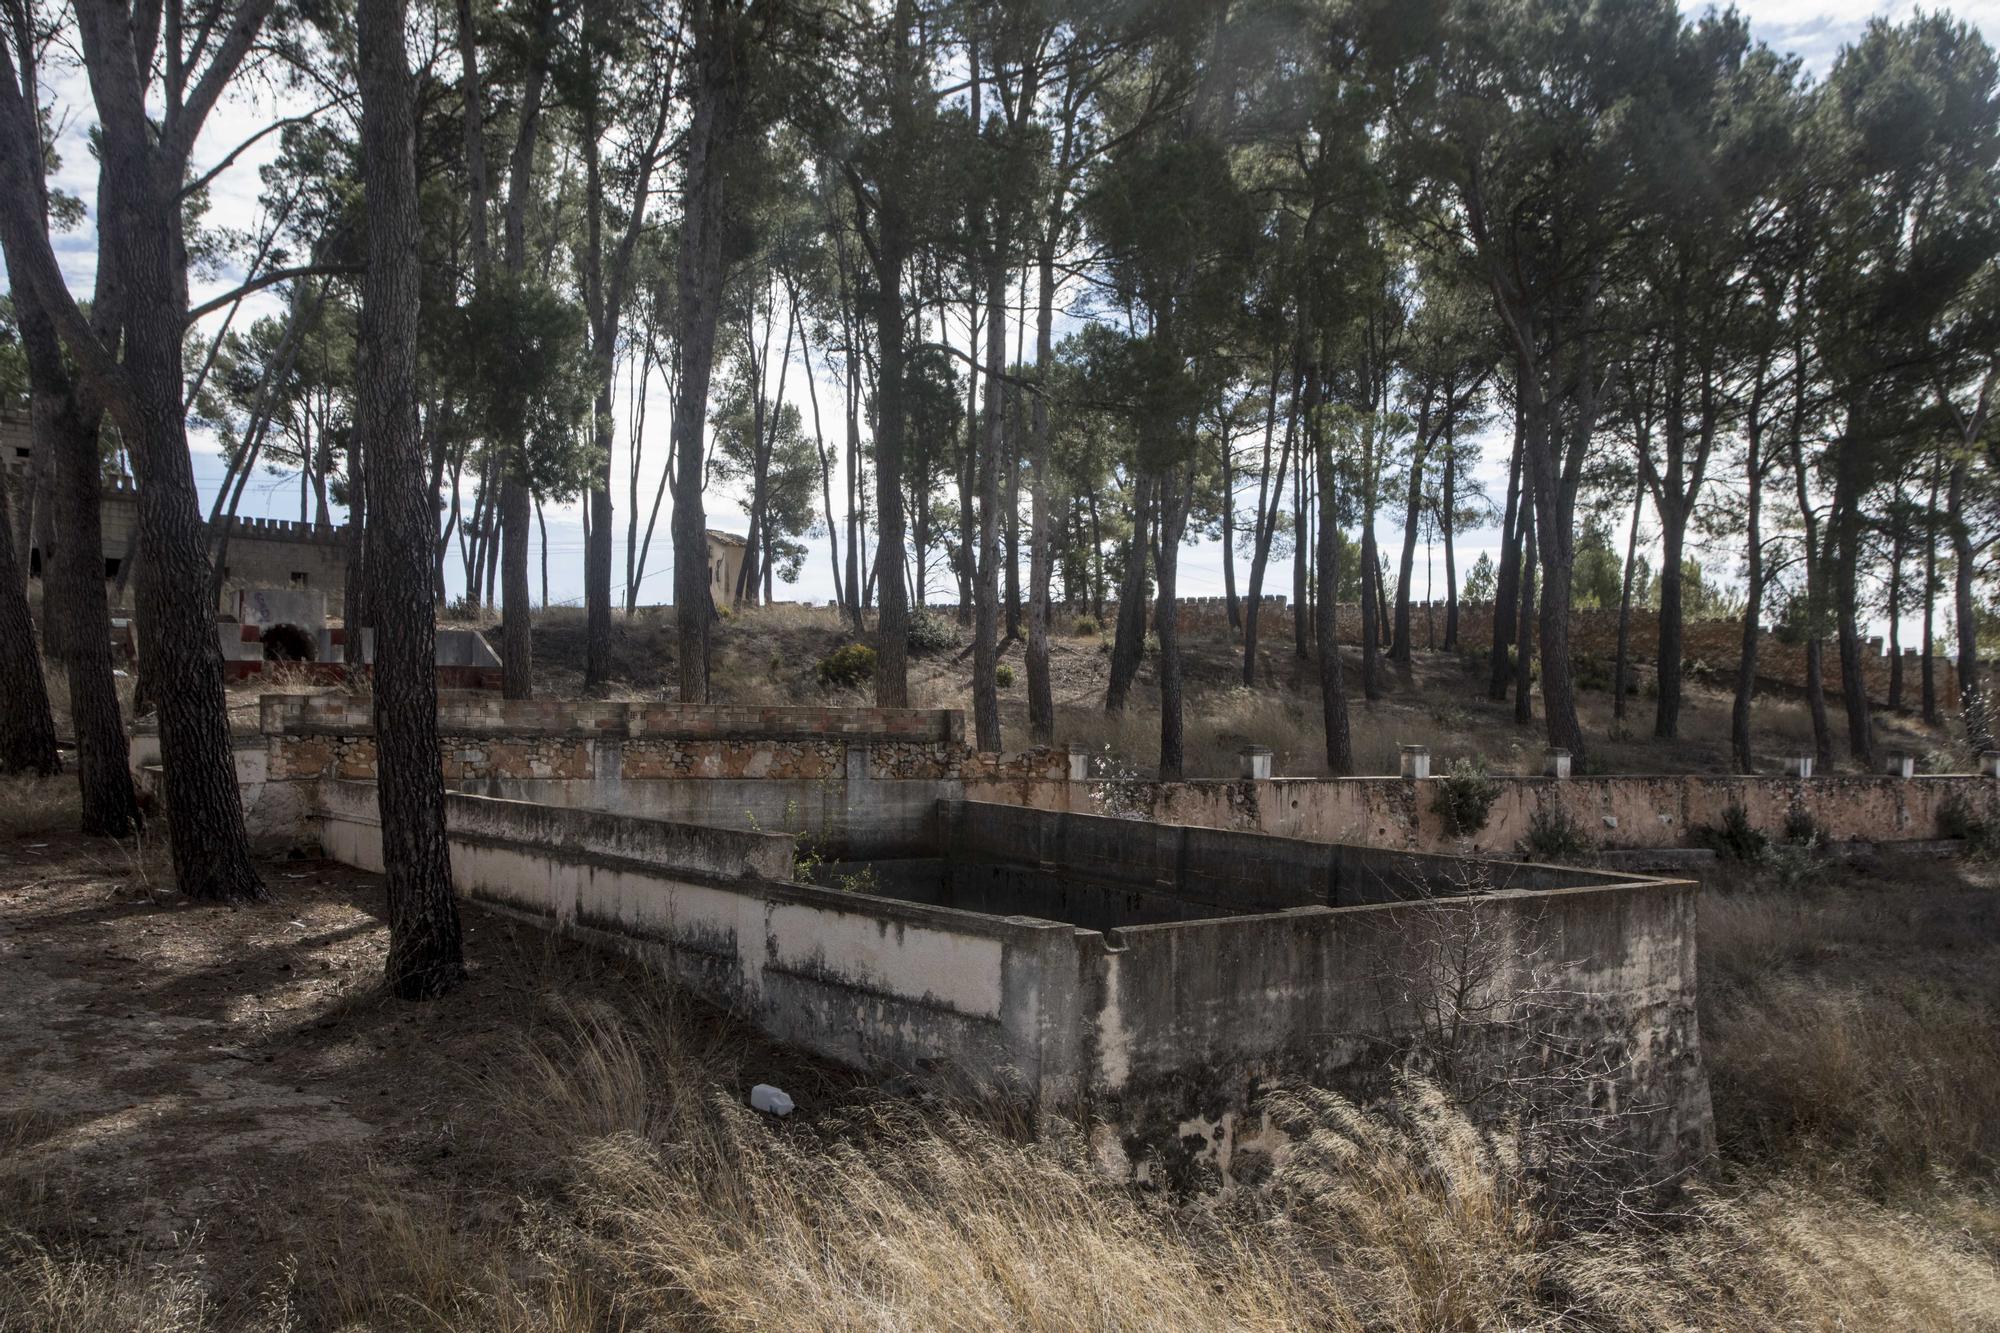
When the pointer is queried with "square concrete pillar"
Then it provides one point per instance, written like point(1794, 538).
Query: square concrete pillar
point(1989, 763)
point(1079, 764)
point(1799, 766)
point(1902, 766)
point(1416, 762)
point(1254, 762)
point(1555, 763)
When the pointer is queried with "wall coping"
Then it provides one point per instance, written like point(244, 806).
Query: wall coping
point(474, 713)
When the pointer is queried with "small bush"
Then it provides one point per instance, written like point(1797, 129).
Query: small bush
point(1003, 676)
point(1734, 838)
point(931, 633)
point(1085, 627)
point(1555, 835)
point(1463, 797)
point(1979, 831)
point(1801, 829)
point(847, 667)
point(1592, 673)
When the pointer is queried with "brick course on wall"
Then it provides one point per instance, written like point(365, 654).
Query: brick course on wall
point(332, 735)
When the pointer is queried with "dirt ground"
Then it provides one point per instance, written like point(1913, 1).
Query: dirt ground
point(206, 1092)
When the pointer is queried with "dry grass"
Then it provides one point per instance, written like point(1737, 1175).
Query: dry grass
point(38, 805)
point(42, 1292)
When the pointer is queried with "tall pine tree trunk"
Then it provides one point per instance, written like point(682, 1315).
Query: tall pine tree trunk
point(425, 957)
point(1326, 619)
point(27, 728)
point(1128, 645)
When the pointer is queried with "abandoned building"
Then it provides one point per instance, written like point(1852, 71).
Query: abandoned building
point(261, 552)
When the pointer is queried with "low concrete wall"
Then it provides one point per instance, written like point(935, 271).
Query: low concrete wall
point(1612, 812)
point(872, 982)
point(1193, 1021)
point(1162, 1035)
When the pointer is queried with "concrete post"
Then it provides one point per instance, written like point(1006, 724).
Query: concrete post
point(1799, 766)
point(1079, 764)
point(1254, 762)
point(1902, 766)
point(1989, 763)
point(1416, 762)
point(1555, 763)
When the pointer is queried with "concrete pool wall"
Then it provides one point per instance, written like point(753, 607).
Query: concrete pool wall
point(1163, 1033)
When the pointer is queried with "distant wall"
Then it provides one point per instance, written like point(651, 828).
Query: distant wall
point(486, 739)
point(1611, 812)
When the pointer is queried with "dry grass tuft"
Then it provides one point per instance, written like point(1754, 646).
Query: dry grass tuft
point(42, 1292)
point(39, 805)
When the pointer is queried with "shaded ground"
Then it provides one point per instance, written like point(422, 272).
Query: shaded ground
point(185, 1082)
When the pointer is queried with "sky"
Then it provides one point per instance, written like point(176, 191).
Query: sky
point(1812, 29)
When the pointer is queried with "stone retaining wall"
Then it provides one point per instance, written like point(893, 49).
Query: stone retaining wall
point(484, 738)
point(1607, 812)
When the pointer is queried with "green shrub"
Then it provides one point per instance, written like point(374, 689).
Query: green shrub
point(1003, 676)
point(1592, 673)
point(1979, 831)
point(1555, 835)
point(1463, 797)
point(847, 667)
point(1084, 627)
point(1734, 838)
point(1801, 829)
point(931, 633)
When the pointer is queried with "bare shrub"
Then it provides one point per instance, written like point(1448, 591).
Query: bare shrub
point(39, 805)
point(48, 1292)
point(1876, 1086)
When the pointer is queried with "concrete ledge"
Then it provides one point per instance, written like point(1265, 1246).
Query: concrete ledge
point(1611, 813)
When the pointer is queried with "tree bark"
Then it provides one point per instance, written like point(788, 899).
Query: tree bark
point(1622, 666)
point(1524, 647)
point(1971, 700)
point(1447, 525)
point(66, 432)
point(699, 274)
point(1846, 536)
point(1928, 652)
point(1041, 693)
point(1326, 619)
point(1400, 647)
point(27, 727)
point(1128, 646)
point(1271, 488)
point(986, 586)
point(425, 957)
point(1506, 582)
point(1174, 498)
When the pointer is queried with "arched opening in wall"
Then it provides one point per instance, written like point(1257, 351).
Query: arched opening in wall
point(289, 643)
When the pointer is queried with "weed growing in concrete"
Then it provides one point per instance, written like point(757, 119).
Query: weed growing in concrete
point(1463, 797)
point(1958, 818)
point(1554, 834)
point(1735, 837)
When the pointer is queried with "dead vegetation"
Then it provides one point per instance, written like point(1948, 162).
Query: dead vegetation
point(563, 1146)
point(767, 655)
